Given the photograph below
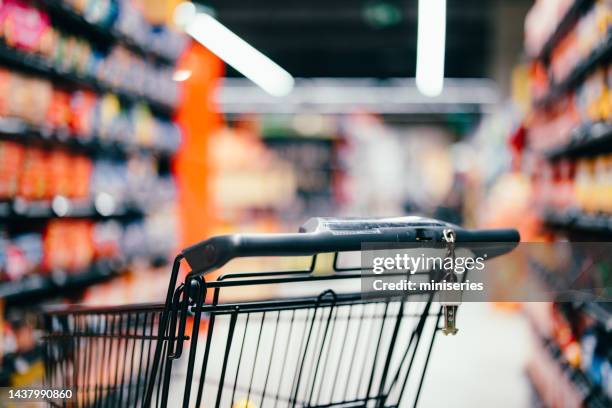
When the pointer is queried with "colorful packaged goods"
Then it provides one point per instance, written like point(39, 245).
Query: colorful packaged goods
point(541, 21)
point(132, 23)
point(82, 107)
point(89, 128)
point(58, 111)
point(25, 26)
point(23, 255)
point(101, 12)
point(583, 185)
point(83, 114)
point(591, 98)
point(107, 239)
point(5, 98)
point(68, 245)
point(11, 162)
point(33, 182)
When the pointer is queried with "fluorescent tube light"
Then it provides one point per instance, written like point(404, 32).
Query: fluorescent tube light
point(240, 55)
point(431, 43)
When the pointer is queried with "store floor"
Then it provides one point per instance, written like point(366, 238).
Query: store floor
point(483, 365)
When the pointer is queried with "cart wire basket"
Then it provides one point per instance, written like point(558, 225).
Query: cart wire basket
point(297, 338)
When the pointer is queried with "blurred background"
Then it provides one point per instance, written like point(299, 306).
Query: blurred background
point(132, 128)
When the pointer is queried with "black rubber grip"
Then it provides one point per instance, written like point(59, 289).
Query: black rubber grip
point(488, 235)
point(217, 251)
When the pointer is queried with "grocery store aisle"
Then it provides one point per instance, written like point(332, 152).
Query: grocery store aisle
point(483, 365)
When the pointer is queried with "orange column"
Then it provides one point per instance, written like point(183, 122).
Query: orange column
point(199, 118)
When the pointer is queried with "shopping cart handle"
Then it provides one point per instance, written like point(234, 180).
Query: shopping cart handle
point(349, 236)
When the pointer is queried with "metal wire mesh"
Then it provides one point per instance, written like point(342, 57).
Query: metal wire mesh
point(104, 356)
point(334, 348)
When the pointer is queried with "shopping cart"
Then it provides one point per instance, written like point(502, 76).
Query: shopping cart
point(306, 338)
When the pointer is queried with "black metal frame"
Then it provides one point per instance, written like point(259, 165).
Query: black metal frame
point(136, 356)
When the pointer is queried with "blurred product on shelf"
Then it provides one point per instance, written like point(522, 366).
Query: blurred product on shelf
point(27, 27)
point(31, 173)
point(35, 174)
point(542, 21)
point(87, 138)
point(21, 255)
point(309, 143)
point(563, 151)
point(153, 238)
point(553, 128)
point(132, 182)
point(270, 171)
point(81, 115)
point(124, 71)
point(566, 138)
point(21, 361)
point(248, 176)
point(139, 284)
point(393, 169)
point(71, 246)
point(498, 194)
point(577, 51)
point(68, 245)
point(100, 12)
point(132, 24)
point(573, 117)
point(565, 30)
point(580, 185)
point(310, 157)
point(367, 188)
point(571, 355)
point(590, 30)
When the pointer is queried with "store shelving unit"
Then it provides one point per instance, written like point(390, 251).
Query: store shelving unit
point(595, 224)
point(555, 379)
point(20, 211)
point(37, 66)
point(601, 312)
point(20, 215)
point(18, 131)
point(581, 227)
point(565, 24)
point(315, 159)
point(590, 394)
point(47, 286)
point(100, 34)
point(44, 286)
point(589, 140)
point(598, 56)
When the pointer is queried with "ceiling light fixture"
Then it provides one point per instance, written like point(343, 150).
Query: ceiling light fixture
point(431, 44)
point(240, 55)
